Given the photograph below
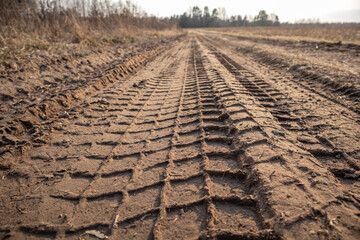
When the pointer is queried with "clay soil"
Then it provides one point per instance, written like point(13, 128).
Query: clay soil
point(207, 135)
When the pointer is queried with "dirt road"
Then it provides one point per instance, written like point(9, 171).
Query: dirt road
point(210, 138)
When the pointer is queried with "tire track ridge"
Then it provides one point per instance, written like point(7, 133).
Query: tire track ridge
point(293, 158)
point(120, 144)
point(296, 74)
point(279, 108)
point(69, 229)
point(51, 108)
point(212, 231)
point(143, 152)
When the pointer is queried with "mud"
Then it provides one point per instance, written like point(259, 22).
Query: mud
point(198, 140)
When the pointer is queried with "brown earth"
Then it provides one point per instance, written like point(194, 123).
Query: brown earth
point(203, 136)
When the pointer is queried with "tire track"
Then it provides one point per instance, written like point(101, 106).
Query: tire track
point(196, 146)
point(279, 105)
point(319, 77)
point(273, 152)
point(97, 115)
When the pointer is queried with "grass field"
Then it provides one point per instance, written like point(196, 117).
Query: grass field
point(346, 34)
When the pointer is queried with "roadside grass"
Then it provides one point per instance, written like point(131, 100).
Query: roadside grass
point(41, 25)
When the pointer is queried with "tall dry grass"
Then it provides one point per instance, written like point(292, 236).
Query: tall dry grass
point(37, 24)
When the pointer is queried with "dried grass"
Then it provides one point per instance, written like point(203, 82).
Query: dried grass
point(27, 25)
point(346, 34)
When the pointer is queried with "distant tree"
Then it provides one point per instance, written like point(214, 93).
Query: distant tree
point(233, 21)
point(206, 17)
point(262, 19)
point(222, 13)
point(214, 18)
point(94, 8)
point(194, 17)
point(308, 21)
point(274, 19)
point(277, 21)
point(245, 21)
point(184, 21)
point(239, 21)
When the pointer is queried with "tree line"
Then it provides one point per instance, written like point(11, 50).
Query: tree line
point(197, 18)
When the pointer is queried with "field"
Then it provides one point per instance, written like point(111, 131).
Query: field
point(346, 34)
point(234, 133)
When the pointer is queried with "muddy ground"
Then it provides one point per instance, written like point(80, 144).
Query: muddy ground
point(203, 136)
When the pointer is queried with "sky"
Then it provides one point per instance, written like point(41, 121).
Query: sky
point(287, 10)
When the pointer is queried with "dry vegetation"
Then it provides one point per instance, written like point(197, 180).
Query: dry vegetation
point(30, 25)
point(346, 34)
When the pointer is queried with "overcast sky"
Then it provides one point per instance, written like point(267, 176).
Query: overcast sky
point(287, 10)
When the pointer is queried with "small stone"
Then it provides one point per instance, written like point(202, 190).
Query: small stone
point(96, 234)
point(64, 115)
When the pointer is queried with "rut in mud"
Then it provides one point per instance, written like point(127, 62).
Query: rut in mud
point(200, 143)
